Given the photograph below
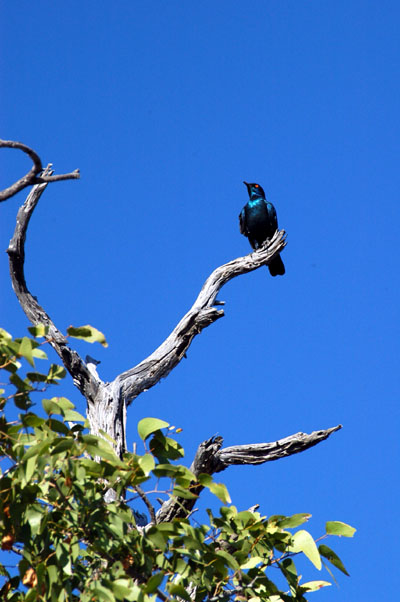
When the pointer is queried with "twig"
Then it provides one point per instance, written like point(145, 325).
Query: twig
point(147, 502)
point(32, 177)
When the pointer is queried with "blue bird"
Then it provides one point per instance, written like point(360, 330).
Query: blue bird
point(259, 223)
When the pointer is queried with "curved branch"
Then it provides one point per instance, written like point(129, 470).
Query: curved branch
point(210, 458)
point(82, 377)
point(203, 313)
point(32, 177)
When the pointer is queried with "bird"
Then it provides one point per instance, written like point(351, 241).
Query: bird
point(258, 221)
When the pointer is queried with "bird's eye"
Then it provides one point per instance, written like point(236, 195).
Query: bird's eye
point(256, 186)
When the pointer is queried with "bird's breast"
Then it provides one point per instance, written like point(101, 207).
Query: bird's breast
point(260, 219)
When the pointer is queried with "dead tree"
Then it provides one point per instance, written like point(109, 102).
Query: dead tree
point(107, 402)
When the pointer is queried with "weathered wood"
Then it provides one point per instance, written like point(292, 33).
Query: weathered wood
point(203, 313)
point(35, 312)
point(32, 177)
point(259, 453)
point(210, 458)
point(107, 402)
point(106, 409)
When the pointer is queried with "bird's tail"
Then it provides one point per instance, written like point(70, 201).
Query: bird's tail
point(276, 267)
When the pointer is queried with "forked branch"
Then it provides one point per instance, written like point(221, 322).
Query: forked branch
point(107, 402)
point(32, 177)
point(128, 385)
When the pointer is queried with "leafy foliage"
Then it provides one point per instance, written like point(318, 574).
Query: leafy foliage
point(87, 333)
point(69, 544)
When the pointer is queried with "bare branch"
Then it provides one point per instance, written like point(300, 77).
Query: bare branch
point(73, 175)
point(210, 458)
point(37, 164)
point(83, 379)
point(203, 313)
point(145, 499)
point(32, 177)
point(106, 408)
point(259, 453)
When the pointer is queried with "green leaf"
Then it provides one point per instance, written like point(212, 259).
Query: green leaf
point(122, 588)
point(37, 450)
point(166, 470)
point(31, 595)
point(62, 445)
point(146, 463)
point(220, 490)
point(21, 385)
point(313, 586)
point(58, 426)
point(102, 593)
point(288, 568)
point(178, 590)
point(106, 454)
point(30, 468)
point(72, 415)
point(335, 527)
point(40, 330)
point(64, 403)
point(98, 447)
point(184, 477)
point(31, 420)
point(25, 350)
point(87, 333)
point(50, 406)
point(56, 372)
point(333, 558)
point(185, 493)
point(36, 377)
point(156, 537)
point(205, 479)
point(52, 572)
point(245, 518)
point(303, 542)
point(229, 559)
point(153, 583)
point(147, 426)
point(39, 353)
point(295, 520)
point(4, 335)
point(34, 518)
point(252, 562)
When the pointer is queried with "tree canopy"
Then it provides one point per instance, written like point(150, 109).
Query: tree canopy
point(69, 488)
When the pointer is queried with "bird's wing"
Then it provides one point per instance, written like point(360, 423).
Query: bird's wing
point(242, 222)
point(272, 215)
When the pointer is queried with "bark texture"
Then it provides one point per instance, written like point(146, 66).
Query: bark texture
point(34, 175)
point(211, 458)
point(107, 402)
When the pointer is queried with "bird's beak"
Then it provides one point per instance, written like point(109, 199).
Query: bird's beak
point(245, 183)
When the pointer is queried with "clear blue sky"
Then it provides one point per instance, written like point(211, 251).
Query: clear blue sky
point(166, 107)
